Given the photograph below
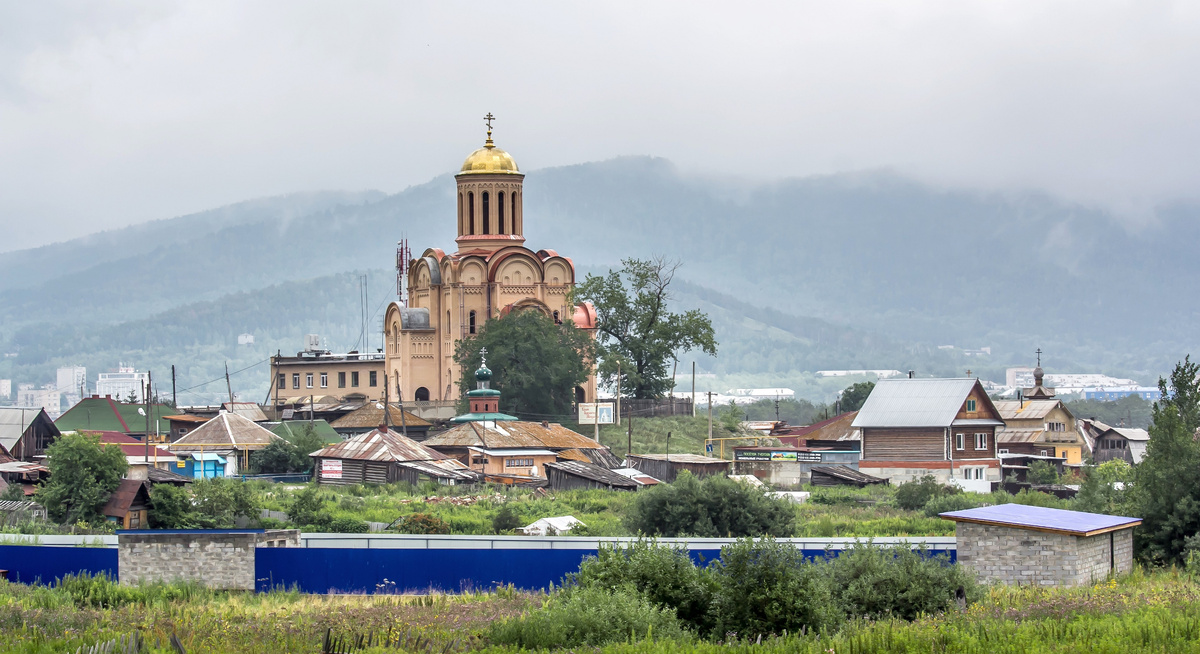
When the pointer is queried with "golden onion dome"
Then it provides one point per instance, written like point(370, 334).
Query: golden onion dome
point(490, 160)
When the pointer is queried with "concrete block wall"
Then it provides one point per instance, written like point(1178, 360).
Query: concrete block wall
point(1022, 556)
point(215, 559)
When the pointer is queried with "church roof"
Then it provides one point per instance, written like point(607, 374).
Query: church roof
point(518, 433)
point(490, 160)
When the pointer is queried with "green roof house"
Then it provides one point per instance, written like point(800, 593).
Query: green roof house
point(289, 428)
point(97, 413)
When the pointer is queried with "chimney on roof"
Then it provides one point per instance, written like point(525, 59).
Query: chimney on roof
point(383, 428)
point(911, 374)
point(546, 424)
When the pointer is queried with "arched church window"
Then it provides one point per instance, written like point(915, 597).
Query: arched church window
point(471, 322)
point(460, 214)
point(500, 213)
point(422, 394)
point(471, 213)
point(513, 198)
point(486, 213)
point(557, 321)
point(447, 325)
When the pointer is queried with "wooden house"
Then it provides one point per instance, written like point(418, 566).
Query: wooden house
point(25, 433)
point(519, 434)
point(1128, 445)
point(369, 416)
point(384, 456)
point(1040, 427)
point(129, 505)
point(229, 435)
point(940, 427)
point(666, 467)
point(571, 475)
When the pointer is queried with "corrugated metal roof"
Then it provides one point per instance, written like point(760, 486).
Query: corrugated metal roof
point(248, 410)
point(123, 498)
point(914, 402)
point(517, 433)
point(1021, 516)
point(1010, 435)
point(1032, 409)
point(369, 417)
point(227, 429)
point(680, 458)
point(848, 474)
point(1132, 434)
point(376, 445)
point(443, 469)
point(594, 473)
point(516, 451)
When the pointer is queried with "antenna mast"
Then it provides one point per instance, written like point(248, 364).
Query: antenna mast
point(403, 256)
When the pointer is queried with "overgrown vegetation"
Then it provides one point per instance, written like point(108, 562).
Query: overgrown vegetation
point(83, 475)
point(715, 506)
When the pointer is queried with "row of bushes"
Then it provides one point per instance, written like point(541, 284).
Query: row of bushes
point(758, 587)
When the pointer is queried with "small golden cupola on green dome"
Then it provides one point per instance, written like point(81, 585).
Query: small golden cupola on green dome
point(484, 401)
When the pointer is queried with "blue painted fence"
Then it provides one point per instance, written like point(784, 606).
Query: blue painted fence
point(31, 564)
point(334, 563)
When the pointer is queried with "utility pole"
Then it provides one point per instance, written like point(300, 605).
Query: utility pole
point(629, 446)
point(595, 411)
point(776, 408)
point(174, 399)
point(387, 413)
point(710, 415)
point(228, 387)
point(668, 447)
point(146, 438)
point(693, 389)
point(618, 391)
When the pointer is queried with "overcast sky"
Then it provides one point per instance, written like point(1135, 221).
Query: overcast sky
point(115, 113)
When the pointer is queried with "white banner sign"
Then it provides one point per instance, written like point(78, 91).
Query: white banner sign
point(591, 413)
point(331, 468)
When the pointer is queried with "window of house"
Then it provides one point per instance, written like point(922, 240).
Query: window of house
point(471, 322)
point(341, 380)
point(281, 381)
point(518, 463)
point(308, 380)
point(374, 378)
point(958, 442)
point(979, 472)
point(295, 380)
point(970, 406)
point(354, 379)
point(324, 380)
point(981, 441)
point(1004, 450)
point(1043, 452)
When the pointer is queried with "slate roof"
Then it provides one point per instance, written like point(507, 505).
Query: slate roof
point(289, 428)
point(1025, 410)
point(14, 421)
point(681, 458)
point(370, 417)
point(160, 476)
point(1036, 518)
point(105, 414)
point(594, 473)
point(601, 456)
point(248, 410)
point(917, 403)
point(378, 445)
point(517, 433)
point(227, 431)
point(847, 473)
point(442, 469)
point(1010, 435)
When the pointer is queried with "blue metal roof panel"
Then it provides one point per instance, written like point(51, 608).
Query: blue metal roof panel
point(1021, 516)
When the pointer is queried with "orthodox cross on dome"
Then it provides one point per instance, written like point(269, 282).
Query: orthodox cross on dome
point(483, 356)
point(488, 119)
point(1039, 356)
point(968, 372)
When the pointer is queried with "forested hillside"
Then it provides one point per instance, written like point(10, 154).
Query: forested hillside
point(886, 270)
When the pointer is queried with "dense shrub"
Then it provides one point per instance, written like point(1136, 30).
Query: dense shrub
point(308, 508)
point(588, 616)
point(422, 523)
point(956, 502)
point(874, 582)
point(1038, 498)
point(766, 587)
point(914, 495)
point(505, 520)
point(348, 525)
point(663, 575)
point(713, 507)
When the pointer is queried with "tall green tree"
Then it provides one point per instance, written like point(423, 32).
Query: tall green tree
point(1166, 489)
point(855, 396)
point(637, 331)
point(83, 475)
point(536, 364)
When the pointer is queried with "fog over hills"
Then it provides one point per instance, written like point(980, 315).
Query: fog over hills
point(856, 270)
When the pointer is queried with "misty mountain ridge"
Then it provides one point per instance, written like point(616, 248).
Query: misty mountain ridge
point(908, 265)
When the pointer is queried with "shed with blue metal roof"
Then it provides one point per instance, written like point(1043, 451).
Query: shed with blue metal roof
point(1033, 545)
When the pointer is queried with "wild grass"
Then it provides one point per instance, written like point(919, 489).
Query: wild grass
point(1140, 612)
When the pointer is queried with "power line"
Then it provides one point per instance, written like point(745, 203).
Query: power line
point(222, 377)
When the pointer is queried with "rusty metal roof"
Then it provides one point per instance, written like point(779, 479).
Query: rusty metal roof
point(124, 497)
point(510, 434)
point(1025, 410)
point(681, 458)
point(1010, 435)
point(594, 473)
point(369, 416)
point(378, 445)
point(442, 469)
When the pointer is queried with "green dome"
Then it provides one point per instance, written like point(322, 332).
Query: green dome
point(483, 374)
